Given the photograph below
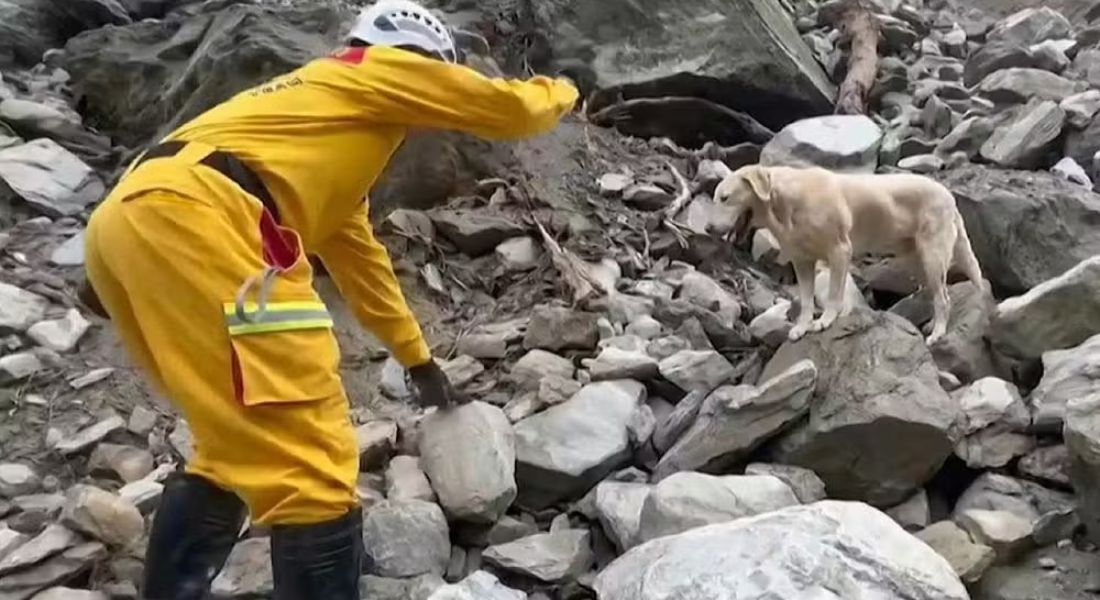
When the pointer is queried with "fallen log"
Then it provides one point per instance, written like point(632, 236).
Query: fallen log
point(860, 28)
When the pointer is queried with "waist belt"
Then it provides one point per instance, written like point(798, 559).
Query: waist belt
point(225, 163)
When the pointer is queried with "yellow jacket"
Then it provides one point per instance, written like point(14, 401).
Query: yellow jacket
point(320, 136)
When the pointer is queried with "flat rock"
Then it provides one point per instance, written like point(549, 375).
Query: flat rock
point(19, 366)
point(968, 137)
point(247, 572)
point(19, 309)
point(377, 442)
point(701, 370)
point(387, 588)
point(1031, 26)
point(548, 557)
point(556, 328)
point(837, 142)
point(461, 370)
point(1071, 171)
point(685, 501)
point(533, 367)
point(479, 585)
point(53, 540)
point(64, 593)
point(60, 335)
point(995, 56)
point(567, 448)
point(1008, 534)
point(65, 566)
point(103, 516)
point(10, 540)
point(142, 421)
point(50, 178)
point(1081, 108)
point(1057, 314)
point(406, 539)
point(619, 509)
point(128, 462)
point(1024, 141)
point(968, 559)
point(613, 184)
point(518, 254)
point(144, 494)
point(85, 438)
point(469, 454)
point(799, 552)
point(645, 327)
point(1020, 85)
point(405, 480)
point(873, 369)
point(705, 292)
point(1027, 500)
point(1048, 465)
point(672, 427)
point(70, 253)
point(646, 196)
point(17, 479)
point(735, 420)
point(475, 232)
point(805, 484)
point(613, 363)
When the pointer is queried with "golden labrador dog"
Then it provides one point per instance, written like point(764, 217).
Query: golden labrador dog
point(818, 215)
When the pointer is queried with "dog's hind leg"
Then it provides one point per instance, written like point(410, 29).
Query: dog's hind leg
point(965, 258)
point(839, 260)
point(934, 265)
point(804, 271)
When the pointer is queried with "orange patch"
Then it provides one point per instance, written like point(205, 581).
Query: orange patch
point(352, 56)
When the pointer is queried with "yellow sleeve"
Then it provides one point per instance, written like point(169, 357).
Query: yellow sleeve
point(363, 273)
point(402, 88)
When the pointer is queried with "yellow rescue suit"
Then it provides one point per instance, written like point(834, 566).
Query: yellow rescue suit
point(215, 300)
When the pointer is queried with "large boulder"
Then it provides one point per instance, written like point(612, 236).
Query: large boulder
point(735, 420)
point(1025, 227)
point(568, 448)
point(1057, 314)
point(619, 510)
point(688, 500)
point(469, 454)
point(1019, 85)
point(28, 28)
point(1067, 374)
point(49, 178)
point(1082, 144)
point(406, 539)
point(773, 75)
point(1082, 433)
point(800, 552)
point(878, 404)
point(837, 142)
point(1031, 26)
point(1026, 141)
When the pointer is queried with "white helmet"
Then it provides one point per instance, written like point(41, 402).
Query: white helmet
point(404, 23)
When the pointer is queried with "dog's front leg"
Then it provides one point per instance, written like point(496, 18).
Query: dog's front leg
point(804, 273)
point(839, 259)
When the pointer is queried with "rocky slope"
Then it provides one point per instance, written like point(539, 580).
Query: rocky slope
point(642, 428)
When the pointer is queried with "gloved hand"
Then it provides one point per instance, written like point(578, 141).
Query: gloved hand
point(433, 388)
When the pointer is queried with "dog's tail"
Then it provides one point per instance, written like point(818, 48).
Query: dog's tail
point(964, 255)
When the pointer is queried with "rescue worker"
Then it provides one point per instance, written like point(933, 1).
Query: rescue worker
point(199, 258)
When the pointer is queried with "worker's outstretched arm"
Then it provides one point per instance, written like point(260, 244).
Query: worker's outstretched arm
point(403, 88)
point(362, 270)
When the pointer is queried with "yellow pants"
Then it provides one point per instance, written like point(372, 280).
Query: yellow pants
point(262, 394)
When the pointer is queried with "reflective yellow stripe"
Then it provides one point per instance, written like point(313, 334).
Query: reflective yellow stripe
point(249, 328)
point(230, 308)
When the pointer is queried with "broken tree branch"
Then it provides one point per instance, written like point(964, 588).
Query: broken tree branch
point(858, 25)
point(573, 270)
point(678, 204)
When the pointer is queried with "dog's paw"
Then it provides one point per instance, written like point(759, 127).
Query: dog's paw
point(933, 338)
point(797, 332)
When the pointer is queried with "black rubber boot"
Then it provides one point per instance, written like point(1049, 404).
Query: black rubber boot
point(322, 560)
point(193, 532)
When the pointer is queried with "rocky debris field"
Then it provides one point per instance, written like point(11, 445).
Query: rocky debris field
point(642, 429)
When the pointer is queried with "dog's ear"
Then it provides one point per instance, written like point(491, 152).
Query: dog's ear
point(759, 179)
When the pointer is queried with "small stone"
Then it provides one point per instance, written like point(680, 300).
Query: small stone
point(144, 494)
point(18, 480)
point(70, 253)
point(764, 246)
point(772, 325)
point(394, 383)
point(528, 371)
point(405, 480)
point(1080, 108)
point(461, 370)
point(19, 366)
point(456, 566)
point(922, 163)
point(645, 327)
point(129, 463)
point(707, 293)
point(646, 197)
point(483, 345)
point(697, 370)
point(613, 363)
point(60, 335)
point(613, 184)
point(480, 585)
point(556, 328)
point(103, 516)
point(1048, 563)
point(1005, 532)
point(518, 254)
point(86, 438)
point(837, 142)
point(968, 559)
point(142, 421)
point(1070, 170)
point(548, 557)
point(913, 514)
point(805, 484)
point(64, 593)
point(406, 539)
point(247, 572)
point(10, 540)
point(19, 309)
point(377, 442)
point(182, 441)
point(91, 378)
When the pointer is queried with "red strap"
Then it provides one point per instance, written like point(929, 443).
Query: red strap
point(280, 247)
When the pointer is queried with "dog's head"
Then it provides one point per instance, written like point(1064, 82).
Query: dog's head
point(741, 195)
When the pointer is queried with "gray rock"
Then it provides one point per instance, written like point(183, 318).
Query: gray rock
point(64, 593)
point(128, 462)
point(405, 480)
point(11, 539)
point(475, 232)
point(922, 163)
point(913, 514)
point(773, 325)
point(142, 421)
point(1031, 26)
point(461, 370)
point(937, 117)
point(385, 588)
point(17, 479)
point(482, 345)
point(182, 441)
point(1057, 314)
point(645, 327)
point(646, 196)
point(65, 566)
point(556, 328)
point(613, 363)
point(548, 557)
point(1008, 534)
point(1025, 227)
point(1082, 432)
point(19, 309)
point(1048, 465)
point(1068, 169)
point(1031, 578)
point(103, 516)
point(641, 426)
point(1081, 108)
point(993, 57)
point(1027, 500)
point(1082, 145)
point(707, 293)
point(685, 501)
point(877, 403)
point(247, 572)
point(805, 484)
point(612, 185)
point(619, 509)
point(406, 539)
point(968, 136)
point(1020, 85)
point(377, 441)
point(567, 448)
point(533, 367)
point(518, 254)
point(664, 347)
point(799, 552)
point(1026, 140)
point(480, 585)
point(85, 438)
point(50, 178)
point(507, 529)
point(1085, 66)
point(19, 366)
point(70, 253)
point(679, 421)
point(735, 420)
point(53, 540)
point(701, 370)
point(838, 142)
point(994, 417)
point(469, 454)
point(1049, 56)
point(968, 559)
point(144, 494)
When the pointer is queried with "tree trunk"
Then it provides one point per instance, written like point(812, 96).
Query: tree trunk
point(859, 26)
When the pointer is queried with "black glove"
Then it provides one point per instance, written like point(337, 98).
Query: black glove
point(433, 388)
